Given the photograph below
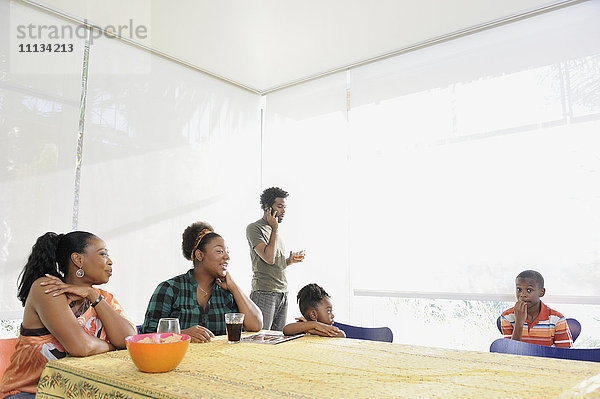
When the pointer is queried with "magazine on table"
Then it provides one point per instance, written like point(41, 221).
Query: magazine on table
point(270, 338)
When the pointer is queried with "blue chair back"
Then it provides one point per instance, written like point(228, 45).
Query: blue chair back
point(383, 334)
point(505, 345)
point(574, 327)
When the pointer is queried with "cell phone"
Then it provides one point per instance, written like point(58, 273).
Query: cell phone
point(273, 212)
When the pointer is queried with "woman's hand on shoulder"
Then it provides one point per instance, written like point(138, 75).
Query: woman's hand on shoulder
point(199, 333)
point(55, 315)
point(56, 286)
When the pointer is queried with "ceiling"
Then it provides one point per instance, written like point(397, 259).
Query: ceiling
point(265, 45)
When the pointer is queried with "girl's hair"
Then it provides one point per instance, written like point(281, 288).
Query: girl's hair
point(51, 254)
point(190, 235)
point(309, 297)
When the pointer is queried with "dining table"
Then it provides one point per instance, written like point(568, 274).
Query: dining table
point(318, 367)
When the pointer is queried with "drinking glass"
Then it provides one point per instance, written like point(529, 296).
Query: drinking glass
point(168, 325)
point(299, 255)
point(234, 323)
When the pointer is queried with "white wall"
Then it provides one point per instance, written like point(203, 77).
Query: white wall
point(305, 151)
point(456, 167)
point(164, 146)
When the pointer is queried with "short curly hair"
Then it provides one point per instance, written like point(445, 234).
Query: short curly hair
point(309, 297)
point(267, 198)
point(190, 234)
point(533, 275)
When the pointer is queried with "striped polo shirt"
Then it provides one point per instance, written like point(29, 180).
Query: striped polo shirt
point(550, 328)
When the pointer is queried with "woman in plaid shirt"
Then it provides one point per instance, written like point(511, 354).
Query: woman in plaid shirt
point(201, 297)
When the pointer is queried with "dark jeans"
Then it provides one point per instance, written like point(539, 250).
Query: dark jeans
point(21, 395)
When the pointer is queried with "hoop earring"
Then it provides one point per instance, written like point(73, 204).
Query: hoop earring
point(80, 273)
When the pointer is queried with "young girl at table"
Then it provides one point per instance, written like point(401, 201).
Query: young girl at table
point(63, 312)
point(201, 297)
point(317, 311)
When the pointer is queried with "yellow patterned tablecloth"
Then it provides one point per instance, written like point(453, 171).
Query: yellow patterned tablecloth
point(316, 367)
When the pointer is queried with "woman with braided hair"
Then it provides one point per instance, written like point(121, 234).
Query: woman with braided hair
point(63, 313)
point(201, 297)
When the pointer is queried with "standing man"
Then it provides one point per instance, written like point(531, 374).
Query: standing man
point(269, 284)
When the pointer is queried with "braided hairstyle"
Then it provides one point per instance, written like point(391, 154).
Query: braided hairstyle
point(51, 254)
point(189, 236)
point(309, 297)
point(267, 198)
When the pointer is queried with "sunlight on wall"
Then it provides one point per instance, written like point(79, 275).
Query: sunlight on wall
point(456, 167)
point(163, 147)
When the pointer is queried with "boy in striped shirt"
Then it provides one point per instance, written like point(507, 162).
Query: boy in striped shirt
point(530, 320)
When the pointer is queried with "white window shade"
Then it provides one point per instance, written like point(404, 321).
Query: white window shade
point(164, 146)
point(485, 159)
point(466, 162)
point(38, 142)
point(164, 149)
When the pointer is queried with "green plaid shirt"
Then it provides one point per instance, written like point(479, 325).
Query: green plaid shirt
point(177, 298)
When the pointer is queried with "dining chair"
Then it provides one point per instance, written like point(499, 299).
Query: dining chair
point(574, 327)
point(7, 348)
point(383, 334)
point(510, 346)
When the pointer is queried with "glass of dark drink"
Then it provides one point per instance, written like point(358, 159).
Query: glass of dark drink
point(234, 323)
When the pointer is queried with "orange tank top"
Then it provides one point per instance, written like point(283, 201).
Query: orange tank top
point(36, 347)
point(33, 350)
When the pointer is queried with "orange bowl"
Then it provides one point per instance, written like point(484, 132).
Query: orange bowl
point(153, 353)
